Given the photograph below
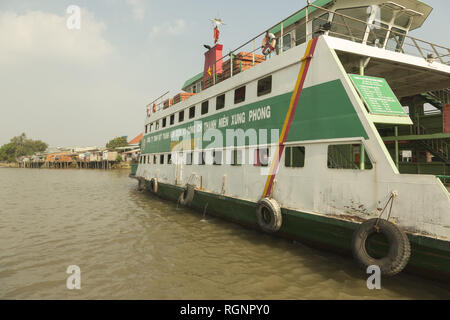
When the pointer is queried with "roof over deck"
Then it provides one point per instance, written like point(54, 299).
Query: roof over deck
point(192, 80)
point(411, 5)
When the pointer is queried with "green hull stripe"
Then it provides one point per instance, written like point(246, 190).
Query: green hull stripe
point(324, 112)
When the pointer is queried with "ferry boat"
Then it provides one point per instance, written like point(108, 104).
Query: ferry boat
point(303, 132)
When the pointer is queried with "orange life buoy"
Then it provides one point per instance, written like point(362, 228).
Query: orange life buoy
point(154, 107)
point(148, 111)
point(269, 43)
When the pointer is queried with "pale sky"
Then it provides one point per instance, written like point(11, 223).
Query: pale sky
point(85, 87)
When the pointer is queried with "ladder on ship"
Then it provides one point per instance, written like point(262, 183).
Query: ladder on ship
point(440, 148)
point(437, 98)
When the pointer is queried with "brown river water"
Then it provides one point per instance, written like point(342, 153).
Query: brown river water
point(130, 245)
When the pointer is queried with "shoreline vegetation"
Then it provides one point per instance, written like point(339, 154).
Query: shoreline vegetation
point(22, 152)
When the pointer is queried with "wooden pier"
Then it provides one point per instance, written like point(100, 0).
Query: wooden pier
point(104, 164)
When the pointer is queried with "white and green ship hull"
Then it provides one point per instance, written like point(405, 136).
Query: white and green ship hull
point(313, 104)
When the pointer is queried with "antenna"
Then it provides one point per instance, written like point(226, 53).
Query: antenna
point(216, 22)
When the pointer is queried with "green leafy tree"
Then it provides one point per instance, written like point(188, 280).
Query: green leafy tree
point(21, 146)
point(117, 142)
point(8, 152)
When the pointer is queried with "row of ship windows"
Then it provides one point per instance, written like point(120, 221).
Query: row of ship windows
point(342, 156)
point(264, 87)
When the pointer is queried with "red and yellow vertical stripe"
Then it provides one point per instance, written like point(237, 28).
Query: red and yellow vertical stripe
point(306, 61)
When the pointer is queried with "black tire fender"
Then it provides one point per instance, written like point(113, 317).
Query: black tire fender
point(399, 247)
point(187, 195)
point(141, 184)
point(154, 185)
point(269, 216)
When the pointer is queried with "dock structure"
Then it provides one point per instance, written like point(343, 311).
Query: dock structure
point(104, 164)
point(94, 159)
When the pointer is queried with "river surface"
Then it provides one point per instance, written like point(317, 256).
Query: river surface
point(130, 245)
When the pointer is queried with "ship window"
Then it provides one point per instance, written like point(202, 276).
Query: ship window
point(396, 39)
point(220, 102)
point(377, 36)
point(348, 156)
point(146, 128)
point(402, 20)
point(287, 42)
point(239, 95)
point(348, 28)
point(155, 159)
point(264, 86)
point(151, 127)
point(236, 160)
point(318, 23)
point(164, 120)
point(169, 158)
point(386, 14)
point(262, 157)
point(294, 157)
point(217, 157)
point(188, 158)
point(201, 158)
point(161, 159)
point(156, 125)
point(192, 112)
point(181, 116)
point(172, 119)
point(300, 33)
point(205, 106)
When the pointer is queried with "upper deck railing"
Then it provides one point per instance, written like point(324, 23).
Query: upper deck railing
point(335, 24)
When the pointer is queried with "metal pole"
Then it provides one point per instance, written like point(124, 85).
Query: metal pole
point(253, 61)
point(281, 38)
point(307, 19)
point(362, 157)
point(396, 146)
point(231, 64)
point(362, 151)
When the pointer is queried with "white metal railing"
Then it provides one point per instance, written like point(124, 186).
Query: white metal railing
point(368, 34)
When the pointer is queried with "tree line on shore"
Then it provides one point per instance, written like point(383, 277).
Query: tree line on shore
point(21, 146)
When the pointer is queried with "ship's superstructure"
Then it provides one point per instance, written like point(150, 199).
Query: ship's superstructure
point(295, 134)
